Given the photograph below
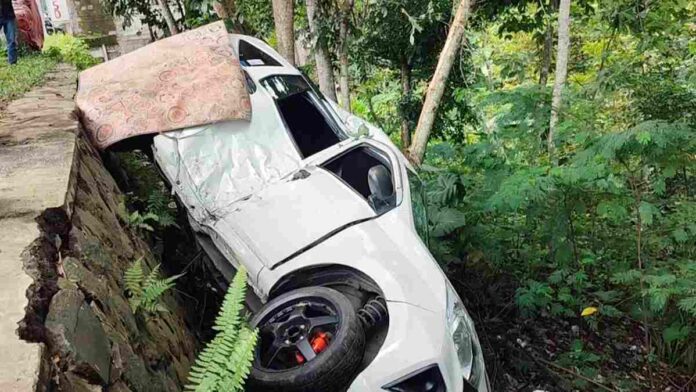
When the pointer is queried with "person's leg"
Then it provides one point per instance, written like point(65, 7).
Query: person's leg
point(11, 35)
point(3, 28)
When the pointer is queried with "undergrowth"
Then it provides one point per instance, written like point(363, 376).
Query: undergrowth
point(28, 72)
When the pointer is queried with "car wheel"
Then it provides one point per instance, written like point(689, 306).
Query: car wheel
point(310, 339)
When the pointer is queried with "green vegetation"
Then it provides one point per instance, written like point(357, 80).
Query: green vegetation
point(69, 49)
point(31, 67)
point(224, 363)
point(592, 210)
point(20, 78)
point(571, 198)
point(150, 204)
point(146, 290)
point(608, 220)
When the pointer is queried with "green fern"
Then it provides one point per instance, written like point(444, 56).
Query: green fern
point(146, 291)
point(225, 362)
point(445, 220)
point(688, 305)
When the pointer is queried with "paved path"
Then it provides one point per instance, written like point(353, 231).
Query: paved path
point(37, 143)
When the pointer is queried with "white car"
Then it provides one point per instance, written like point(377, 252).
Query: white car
point(316, 204)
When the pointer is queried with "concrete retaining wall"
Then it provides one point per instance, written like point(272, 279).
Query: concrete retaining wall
point(65, 323)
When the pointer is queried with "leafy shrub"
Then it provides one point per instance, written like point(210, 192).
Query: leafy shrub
point(69, 49)
point(224, 363)
point(146, 290)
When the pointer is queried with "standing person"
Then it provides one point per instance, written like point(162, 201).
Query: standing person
point(8, 23)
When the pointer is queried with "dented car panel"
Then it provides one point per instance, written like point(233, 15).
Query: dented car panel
point(269, 219)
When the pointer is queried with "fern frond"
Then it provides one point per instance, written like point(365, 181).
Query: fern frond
point(445, 220)
point(224, 363)
point(239, 363)
point(133, 279)
point(152, 293)
point(152, 277)
point(146, 291)
point(233, 303)
point(688, 305)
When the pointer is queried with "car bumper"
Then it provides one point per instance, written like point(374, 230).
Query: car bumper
point(417, 338)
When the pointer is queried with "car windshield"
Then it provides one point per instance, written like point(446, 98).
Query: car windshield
point(305, 115)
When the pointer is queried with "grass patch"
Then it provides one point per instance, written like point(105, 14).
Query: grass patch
point(28, 72)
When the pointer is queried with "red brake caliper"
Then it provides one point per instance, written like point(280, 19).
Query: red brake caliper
point(319, 342)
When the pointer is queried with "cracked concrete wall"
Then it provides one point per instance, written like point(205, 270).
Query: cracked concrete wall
point(63, 245)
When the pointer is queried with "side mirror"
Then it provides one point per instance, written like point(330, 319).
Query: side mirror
point(380, 183)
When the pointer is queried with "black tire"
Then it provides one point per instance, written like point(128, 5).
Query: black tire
point(332, 369)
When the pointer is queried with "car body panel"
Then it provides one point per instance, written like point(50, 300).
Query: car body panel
point(389, 251)
point(318, 203)
point(417, 338)
point(214, 166)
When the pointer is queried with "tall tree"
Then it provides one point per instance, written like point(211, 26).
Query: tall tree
point(283, 13)
point(561, 73)
point(383, 42)
point(436, 88)
point(345, 9)
point(168, 17)
point(327, 85)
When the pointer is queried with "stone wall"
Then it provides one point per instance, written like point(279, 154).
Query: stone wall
point(77, 319)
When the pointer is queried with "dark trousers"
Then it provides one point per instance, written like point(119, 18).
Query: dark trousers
point(10, 28)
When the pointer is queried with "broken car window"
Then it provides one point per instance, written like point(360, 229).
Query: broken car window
point(305, 115)
point(369, 174)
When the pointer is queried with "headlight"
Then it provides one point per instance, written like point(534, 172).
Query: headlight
point(461, 327)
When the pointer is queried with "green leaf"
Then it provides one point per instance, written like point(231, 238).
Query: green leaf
point(445, 221)
point(626, 277)
point(646, 211)
point(676, 332)
point(643, 137)
point(680, 235)
point(688, 305)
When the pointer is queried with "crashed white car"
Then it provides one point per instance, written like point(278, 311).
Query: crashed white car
point(316, 204)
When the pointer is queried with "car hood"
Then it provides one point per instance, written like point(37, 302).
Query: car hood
point(288, 217)
point(388, 250)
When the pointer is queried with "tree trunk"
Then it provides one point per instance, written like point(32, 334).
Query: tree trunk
point(168, 17)
point(561, 73)
point(321, 55)
point(180, 7)
point(548, 48)
point(225, 9)
point(284, 28)
point(546, 56)
point(344, 79)
point(436, 88)
point(405, 93)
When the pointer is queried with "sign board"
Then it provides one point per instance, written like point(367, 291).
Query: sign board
point(58, 10)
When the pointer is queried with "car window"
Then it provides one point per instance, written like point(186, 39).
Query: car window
point(304, 114)
point(251, 56)
point(369, 174)
point(419, 204)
